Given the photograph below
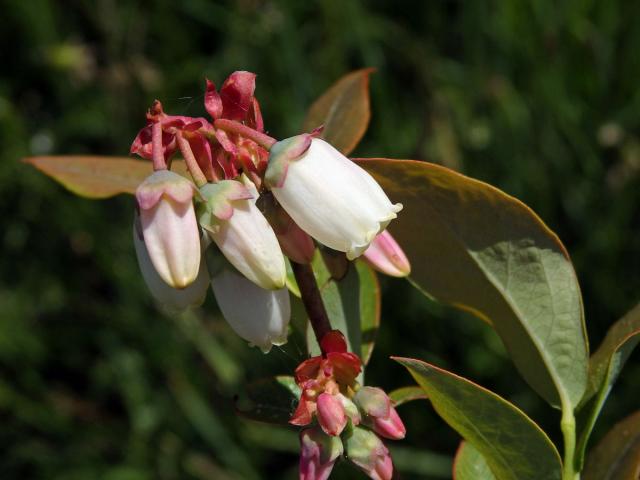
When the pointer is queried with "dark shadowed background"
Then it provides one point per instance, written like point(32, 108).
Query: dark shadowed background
point(539, 99)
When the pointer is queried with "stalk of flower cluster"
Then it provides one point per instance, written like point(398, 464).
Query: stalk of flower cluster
point(312, 300)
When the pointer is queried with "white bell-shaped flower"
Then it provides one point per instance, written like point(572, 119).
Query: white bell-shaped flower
point(242, 233)
point(327, 195)
point(173, 299)
point(169, 226)
point(258, 315)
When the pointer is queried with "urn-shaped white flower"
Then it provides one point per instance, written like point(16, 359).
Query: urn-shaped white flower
point(258, 315)
point(242, 233)
point(173, 299)
point(169, 226)
point(327, 195)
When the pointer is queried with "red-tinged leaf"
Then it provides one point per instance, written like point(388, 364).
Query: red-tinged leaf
point(407, 394)
point(344, 111)
point(97, 177)
point(271, 400)
point(469, 464)
point(604, 367)
point(514, 447)
point(617, 456)
point(481, 250)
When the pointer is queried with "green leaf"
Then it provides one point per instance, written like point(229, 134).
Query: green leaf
point(478, 249)
point(469, 464)
point(270, 400)
point(617, 456)
point(353, 307)
point(343, 110)
point(514, 447)
point(604, 368)
point(407, 394)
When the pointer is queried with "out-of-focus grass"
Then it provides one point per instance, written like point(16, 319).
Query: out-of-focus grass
point(539, 99)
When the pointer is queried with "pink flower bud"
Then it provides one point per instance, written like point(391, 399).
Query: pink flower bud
point(365, 450)
point(390, 427)
point(169, 226)
point(379, 414)
point(385, 255)
point(173, 299)
point(327, 195)
point(331, 414)
point(373, 402)
point(318, 454)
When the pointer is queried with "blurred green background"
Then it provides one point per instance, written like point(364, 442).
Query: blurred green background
point(540, 99)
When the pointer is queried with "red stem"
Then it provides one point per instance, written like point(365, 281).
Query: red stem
point(231, 126)
point(312, 300)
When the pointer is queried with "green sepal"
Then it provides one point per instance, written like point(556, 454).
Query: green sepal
point(281, 154)
point(216, 205)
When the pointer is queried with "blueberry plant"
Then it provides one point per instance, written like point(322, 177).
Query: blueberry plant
point(267, 224)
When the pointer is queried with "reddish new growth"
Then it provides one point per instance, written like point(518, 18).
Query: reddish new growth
point(334, 374)
point(351, 418)
point(219, 154)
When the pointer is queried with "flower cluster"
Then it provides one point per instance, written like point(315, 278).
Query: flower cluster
point(257, 200)
point(350, 418)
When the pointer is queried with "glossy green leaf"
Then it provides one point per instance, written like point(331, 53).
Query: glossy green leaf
point(407, 394)
point(353, 306)
point(344, 111)
point(270, 400)
point(617, 456)
point(475, 247)
point(604, 368)
point(514, 447)
point(469, 464)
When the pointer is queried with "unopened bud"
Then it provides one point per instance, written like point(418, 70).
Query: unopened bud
point(318, 454)
point(173, 299)
point(373, 402)
point(390, 427)
point(365, 450)
point(379, 414)
point(385, 255)
point(169, 226)
point(331, 414)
